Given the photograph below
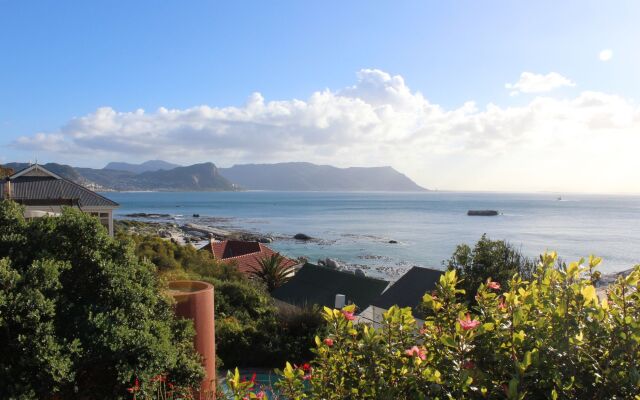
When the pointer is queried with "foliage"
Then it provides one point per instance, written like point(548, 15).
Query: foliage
point(5, 171)
point(80, 316)
point(548, 337)
point(273, 271)
point(250, 330)
point(488, 258)
point(172, 258)
point(243, 389)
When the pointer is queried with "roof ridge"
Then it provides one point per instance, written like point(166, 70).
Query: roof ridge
point(346, 272)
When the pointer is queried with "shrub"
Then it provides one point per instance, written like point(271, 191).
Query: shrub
point(494, 259)
point(549, 337)
point(80, 316)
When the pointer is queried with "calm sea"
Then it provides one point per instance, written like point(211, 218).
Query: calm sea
point(355, 228)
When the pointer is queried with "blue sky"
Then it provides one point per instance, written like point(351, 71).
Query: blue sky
point(64, 60)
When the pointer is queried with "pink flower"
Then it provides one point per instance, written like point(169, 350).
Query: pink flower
point(135, 387)
point(260, 394)
point(306, 377)
point(468, 323)
point(348, 315)
point(493, 285)
point(416, 351)
point(501, 304)
point(328, 342)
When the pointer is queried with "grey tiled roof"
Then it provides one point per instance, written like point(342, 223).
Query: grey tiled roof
point(409, 290)
point(47, 190)
point(315, 284)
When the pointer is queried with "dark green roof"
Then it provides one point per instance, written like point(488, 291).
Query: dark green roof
point(315, 284)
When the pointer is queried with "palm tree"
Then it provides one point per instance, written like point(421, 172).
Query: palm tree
point(273, 271)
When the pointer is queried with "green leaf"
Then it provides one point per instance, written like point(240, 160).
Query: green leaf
point(448, 341)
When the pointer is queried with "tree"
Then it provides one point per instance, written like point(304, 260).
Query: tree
point(495, 259)
point(273, 271)
point(549, 337)
point(5, 171)
point(80, 315)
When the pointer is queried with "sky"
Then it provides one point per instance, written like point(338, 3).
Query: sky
point(465, 95)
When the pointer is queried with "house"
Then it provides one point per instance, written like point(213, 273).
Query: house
point(319, 285)
point(405, 292)
point(246, 255)
point(44, 193)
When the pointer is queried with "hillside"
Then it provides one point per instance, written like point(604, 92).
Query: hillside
point(197, 177)
point(207, 177)
point(151, 165)
point(300, 176)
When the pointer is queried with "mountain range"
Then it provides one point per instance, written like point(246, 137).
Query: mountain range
point(159, 175)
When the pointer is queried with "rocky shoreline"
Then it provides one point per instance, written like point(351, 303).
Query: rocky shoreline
point(187, 231)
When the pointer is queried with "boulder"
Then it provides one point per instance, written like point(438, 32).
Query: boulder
point(302, 236)
point(393, 241)
point(265, 239)
point(331, 263)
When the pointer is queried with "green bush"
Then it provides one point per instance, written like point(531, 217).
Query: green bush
point(549, 337)
point(495, 259)
point(250, 330)
point(80, 316)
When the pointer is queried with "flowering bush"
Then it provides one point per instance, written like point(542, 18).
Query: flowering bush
point(548, 337)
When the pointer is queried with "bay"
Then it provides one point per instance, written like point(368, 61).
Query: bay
point(355, 228)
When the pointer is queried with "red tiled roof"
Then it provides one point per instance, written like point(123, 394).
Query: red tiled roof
point(246, 255)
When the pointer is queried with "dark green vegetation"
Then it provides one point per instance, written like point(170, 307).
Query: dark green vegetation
point(158, 175)
point(250, 330)
point(273, 271)
point(80, 314)
point(495, 259)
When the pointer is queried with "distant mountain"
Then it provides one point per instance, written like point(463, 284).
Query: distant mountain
point(151, 165)
point(301, 176)
point(297, 176)
point(197, 177)
point(65, 171)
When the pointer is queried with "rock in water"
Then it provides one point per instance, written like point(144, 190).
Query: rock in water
point(331, 263)
point(301, 236)
point(482, 213)
point(393, 241)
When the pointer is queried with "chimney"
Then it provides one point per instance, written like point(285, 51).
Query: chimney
point(340, 301)
point(8, 189)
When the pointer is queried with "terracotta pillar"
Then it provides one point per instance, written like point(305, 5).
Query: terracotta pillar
point(194, 300)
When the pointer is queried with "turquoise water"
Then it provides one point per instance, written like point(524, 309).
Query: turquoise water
point(355, 228)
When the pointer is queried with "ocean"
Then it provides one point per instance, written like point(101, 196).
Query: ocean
point(355, 228)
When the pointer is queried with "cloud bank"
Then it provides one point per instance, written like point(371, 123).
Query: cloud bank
point(587, 142)
point(538, 83)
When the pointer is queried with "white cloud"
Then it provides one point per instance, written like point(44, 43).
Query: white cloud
point(605, 55)
point(584, 143)
point(538, 83)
